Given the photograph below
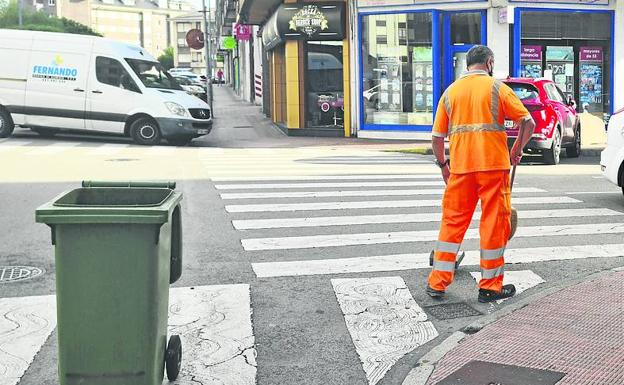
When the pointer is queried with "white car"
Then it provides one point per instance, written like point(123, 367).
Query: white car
point(189, 86)
point(612, 158)
point(194, 78)
point(174, 71)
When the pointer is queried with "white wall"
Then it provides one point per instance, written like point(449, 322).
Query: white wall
point(257, 67)
point(619, 56)
point(498, 41)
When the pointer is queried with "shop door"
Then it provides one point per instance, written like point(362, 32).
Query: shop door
point(324, 87)
point(462, 31)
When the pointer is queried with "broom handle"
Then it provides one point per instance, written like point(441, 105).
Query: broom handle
point(513, 176)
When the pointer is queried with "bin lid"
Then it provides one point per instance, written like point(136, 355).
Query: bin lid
point(112, 203)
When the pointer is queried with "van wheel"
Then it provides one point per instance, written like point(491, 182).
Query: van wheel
point(145, 132)
point(6, 124)
point(552, 155)
point(574, 150)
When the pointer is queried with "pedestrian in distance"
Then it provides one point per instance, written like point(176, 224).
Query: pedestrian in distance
point(219, 77)
point(471, 113)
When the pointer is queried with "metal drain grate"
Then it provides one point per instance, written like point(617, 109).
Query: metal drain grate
point(18, 273)
point(489, 373)
point(452, 310)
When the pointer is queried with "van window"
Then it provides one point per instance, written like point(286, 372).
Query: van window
point(153, 74)
point(110, 71)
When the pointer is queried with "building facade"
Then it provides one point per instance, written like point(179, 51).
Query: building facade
point(142, 22)
point(306, 76)
point(407, 52)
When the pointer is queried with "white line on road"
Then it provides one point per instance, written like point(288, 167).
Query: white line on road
point(214, 323)
point(521, 279)
point(352, 193)
point(375, 204)
point(257, 186)
point(26, 324)
point(593, 192)
point(327, 177)
point(399, 262)
point(276, 223)
point(336, 240)
point(384, 321)
point(52, 148)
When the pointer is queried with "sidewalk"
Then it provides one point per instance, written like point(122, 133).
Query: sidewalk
point(577, 333)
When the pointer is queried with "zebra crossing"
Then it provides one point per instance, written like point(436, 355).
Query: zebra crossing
point(288, 216)
point(335, 228)
point(278, 205)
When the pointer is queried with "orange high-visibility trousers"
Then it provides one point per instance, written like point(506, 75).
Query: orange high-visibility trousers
point(462, 193)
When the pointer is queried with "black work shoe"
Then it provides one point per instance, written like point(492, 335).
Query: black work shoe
point(491, 295)
point(435, 293)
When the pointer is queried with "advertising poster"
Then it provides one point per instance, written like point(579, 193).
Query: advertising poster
point(590, 78)
point(391, 84)
point(560, 60)
point(531, 61)
point(422, 73)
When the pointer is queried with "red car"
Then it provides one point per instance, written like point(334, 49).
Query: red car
point(557, 123)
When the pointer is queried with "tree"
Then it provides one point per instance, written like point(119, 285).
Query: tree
point(39, 21)
point(166, 59)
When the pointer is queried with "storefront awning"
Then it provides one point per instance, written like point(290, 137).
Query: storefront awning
point(257, 11)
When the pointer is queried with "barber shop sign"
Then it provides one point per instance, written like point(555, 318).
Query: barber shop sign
point(309, 20)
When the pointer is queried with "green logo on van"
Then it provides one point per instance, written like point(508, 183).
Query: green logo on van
point(55, 72)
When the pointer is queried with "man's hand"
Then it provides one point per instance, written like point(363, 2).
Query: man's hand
point(515, 155)
point(446, 173)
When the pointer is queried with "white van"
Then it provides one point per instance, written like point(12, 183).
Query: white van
point(612, 157)
point(54, 81)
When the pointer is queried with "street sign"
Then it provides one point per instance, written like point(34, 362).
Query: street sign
point(229, 43)
point(242, 32)
point(195, 39)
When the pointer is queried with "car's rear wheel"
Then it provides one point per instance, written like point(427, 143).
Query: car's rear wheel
point(6, 124)
point(553, 155)
point(574, 149)
point(145, 131)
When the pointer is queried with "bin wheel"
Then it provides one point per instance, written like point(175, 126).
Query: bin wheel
point(173, 357)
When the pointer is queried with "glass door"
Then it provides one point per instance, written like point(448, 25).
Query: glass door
point(324, 87)
point(462, 31)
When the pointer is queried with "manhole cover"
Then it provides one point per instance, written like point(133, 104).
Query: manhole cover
point(486, 373)
point(18, 273)
point(452, 310)
point(121, 160)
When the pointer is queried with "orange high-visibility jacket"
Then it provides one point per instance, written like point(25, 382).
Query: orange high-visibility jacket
point(472, 113)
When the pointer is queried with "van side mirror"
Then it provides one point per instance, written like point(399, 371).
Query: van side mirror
point(570, 101)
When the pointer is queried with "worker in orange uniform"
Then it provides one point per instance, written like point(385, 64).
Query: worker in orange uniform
point(471, 113)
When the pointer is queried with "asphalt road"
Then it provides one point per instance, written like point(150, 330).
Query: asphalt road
point(301, 332)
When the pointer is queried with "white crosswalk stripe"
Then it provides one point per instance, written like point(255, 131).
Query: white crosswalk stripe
point(52, 149)
point(376, 204)
point(400, 262)
point(276, 223)
point(349, 193)
point(255, 186)
point(108, 149)
point(327, 177)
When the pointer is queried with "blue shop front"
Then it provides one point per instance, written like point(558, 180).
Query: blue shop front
point(409, 51)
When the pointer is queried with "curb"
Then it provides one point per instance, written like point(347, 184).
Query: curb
point(423, 369)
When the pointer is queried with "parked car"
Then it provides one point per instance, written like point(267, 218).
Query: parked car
point(557, 124)
point(188, 86)
point(174, 71)
point(612, 157)
point(194, 78)
point(58, 81)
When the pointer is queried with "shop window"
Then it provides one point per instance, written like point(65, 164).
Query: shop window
point(466, 28)
point(398, 69)
point(324, 87)
point(574, 50)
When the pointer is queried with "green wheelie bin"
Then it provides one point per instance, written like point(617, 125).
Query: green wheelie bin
point(118, 246)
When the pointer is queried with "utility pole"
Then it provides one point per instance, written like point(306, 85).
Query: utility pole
point(20, 5)
point(208, 43)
